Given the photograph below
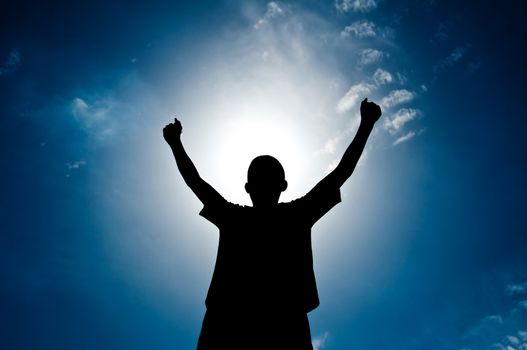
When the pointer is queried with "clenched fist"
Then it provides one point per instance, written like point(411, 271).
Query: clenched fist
point(172, 132)
point(369, 111)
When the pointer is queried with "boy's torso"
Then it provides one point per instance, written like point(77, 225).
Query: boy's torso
point(264, 261)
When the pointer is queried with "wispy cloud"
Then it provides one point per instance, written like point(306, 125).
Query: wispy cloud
point(496, 332)
point(360, 29)
point(401, 78)
point(354, 94)
point(331, 144)
point(355, 5)
point(473, 67)
point(368, 56)
point(523, 305)
point(79, 107)
point(451, 59)
point(516, 289)
point(11, 63)
point(503, 330)
point(320, 341)
point(397, 97)
point(273, 10)
point(76, 165)
point(94, 118)
point(441, 32)
point(87, 115)
point(404, 138)
point(396, 122)
point(382, 77)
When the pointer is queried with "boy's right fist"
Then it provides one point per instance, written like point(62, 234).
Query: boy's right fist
point(370, 111)
point(172, 131)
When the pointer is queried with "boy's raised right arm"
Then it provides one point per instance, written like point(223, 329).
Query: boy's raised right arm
point(205, 192)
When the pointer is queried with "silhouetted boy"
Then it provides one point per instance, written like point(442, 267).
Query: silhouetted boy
point(263, 284)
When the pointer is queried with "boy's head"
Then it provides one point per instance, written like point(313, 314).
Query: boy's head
point(265, 181)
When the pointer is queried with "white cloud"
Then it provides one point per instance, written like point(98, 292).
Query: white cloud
point(451, 59)
point(273, 10)
point(442, 31)
point(382, 77)
point(513, 340)
point(516, 289)
point(492, 320)
point(88, 116)
point(331, 144)
point(397, 97)
point(76, 165)
point(361, 29)
point(402, 78)
point(95, 118)
point(473, 67)
point(368, 56)
point(456, 54)
point(320, 341)
point(11, 63)
point(355, 5)
point(345, 135)
point(78, 107)
point(395, 123)
point(354, 94)
point(501, 331)
point(404, 138)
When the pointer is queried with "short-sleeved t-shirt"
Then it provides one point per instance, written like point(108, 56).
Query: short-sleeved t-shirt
point(264, 259)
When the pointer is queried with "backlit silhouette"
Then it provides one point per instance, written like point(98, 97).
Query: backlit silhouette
point(263, 284)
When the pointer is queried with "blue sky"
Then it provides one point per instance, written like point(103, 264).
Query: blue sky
point(101, 245)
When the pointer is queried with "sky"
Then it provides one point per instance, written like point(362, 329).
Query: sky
point(101, 244)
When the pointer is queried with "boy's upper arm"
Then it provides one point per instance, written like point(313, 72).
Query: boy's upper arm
point(324, 196)
point(215, 208)
point(206, 193)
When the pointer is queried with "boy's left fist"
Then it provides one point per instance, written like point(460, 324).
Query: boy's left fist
point(172, 131)
point(370, 111)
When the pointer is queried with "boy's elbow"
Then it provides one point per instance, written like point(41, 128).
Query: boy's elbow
point(334, 178)
point(192, 183)
point(340, 175)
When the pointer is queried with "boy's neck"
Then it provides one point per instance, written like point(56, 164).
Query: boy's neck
point(259, 205)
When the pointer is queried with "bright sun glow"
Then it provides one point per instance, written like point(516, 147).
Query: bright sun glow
point(268, 110)
point(248, 138)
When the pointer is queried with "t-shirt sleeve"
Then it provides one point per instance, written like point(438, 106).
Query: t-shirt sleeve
point(317, 202)
point(217, 212)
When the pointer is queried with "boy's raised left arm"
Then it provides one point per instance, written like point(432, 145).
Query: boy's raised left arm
point(370, 113)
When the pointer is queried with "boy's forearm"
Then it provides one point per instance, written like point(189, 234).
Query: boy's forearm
point(353, 153)
point(184, 163)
